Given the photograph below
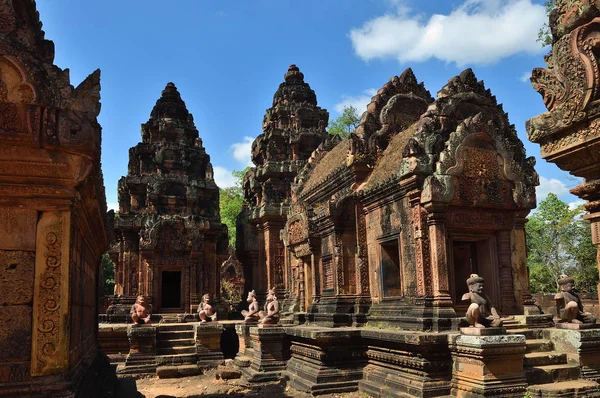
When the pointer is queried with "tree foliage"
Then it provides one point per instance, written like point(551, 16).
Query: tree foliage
point(108, 275)
point(346, 123)
point(544, 34)
point(230, 203)
point(559, 241)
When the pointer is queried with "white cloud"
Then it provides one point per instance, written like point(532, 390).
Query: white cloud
point(112, 206)
point(359, 102)
point(525, 77)
point(553, 185)
point(478, 32)
point(576, 203)
point(242, 151)
point(223, 177)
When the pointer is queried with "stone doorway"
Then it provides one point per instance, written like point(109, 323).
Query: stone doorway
point(473, 255)
point(391, 283)
point(170, 297)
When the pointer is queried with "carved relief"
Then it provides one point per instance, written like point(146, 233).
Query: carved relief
point(13, 85)
point(48, 351)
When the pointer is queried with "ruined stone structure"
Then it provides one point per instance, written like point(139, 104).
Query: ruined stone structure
point(292, 128)
point(390, 222)
point(171, 238)
point(569, 132)
point(52, 217)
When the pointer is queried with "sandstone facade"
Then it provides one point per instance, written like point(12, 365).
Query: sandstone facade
point(386, 225)
point(52, 215)
point(171, 240)
point(292, 128)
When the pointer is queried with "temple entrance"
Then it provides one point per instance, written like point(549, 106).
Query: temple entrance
point(473, 255)
point(170, 290)
point(390, 269)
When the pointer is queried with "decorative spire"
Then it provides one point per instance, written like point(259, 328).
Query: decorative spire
point(294, 89)
point(170, 105)
point(293, 74)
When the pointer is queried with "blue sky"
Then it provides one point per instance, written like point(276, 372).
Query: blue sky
point(227, 58)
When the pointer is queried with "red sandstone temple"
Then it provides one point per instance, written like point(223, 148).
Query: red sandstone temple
point(171, 239)
point(367, 240)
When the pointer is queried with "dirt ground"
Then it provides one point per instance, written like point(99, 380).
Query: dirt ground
point(208, 386)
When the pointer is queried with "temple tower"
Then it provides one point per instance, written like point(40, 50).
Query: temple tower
point(169, 227)
point(292, 128)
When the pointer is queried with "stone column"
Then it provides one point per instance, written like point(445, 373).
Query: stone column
point(261, 277)
point(594, 219)
point(522, 292)
point(508, 304)
point(439, 260)
point(131, 260)
point(274, 255)
point(421, 246)
point(362, 258)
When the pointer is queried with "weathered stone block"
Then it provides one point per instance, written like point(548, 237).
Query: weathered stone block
point(582, 347)
point(16, 277)
point(227, 373)
point(142, 340)
point(17, 229)
point(271, 352)
point(488, 365)
point(15, 334)
point(208, 344)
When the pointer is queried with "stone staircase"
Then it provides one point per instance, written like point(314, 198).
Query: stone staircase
point(549, 373)
point(175, 345)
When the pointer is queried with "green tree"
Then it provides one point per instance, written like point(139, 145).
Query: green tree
point(230, 203)
point(544, 34)
point(559, 241)
point(346, 123)
point(108, 275)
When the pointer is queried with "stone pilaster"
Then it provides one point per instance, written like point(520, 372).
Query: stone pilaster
point(50, 342)
point(439, 261)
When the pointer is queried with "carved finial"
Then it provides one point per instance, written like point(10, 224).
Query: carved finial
point(408, 77)
point(293, 74)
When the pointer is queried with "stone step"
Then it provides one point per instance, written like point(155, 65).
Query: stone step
point(175, 343)
point(545, 358)
point(538, 345)
point(530, 334)
point(174, 335)
point(571, 388)
point(166, 372)
point(177, 359)
point(176, 327)
point(176, 350)
point(551, 373)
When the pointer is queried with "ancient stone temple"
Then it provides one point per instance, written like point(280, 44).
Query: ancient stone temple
point(568, 133)
point(386, 226)
point(172, 242)
point(52, 217)
point(292, 128)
